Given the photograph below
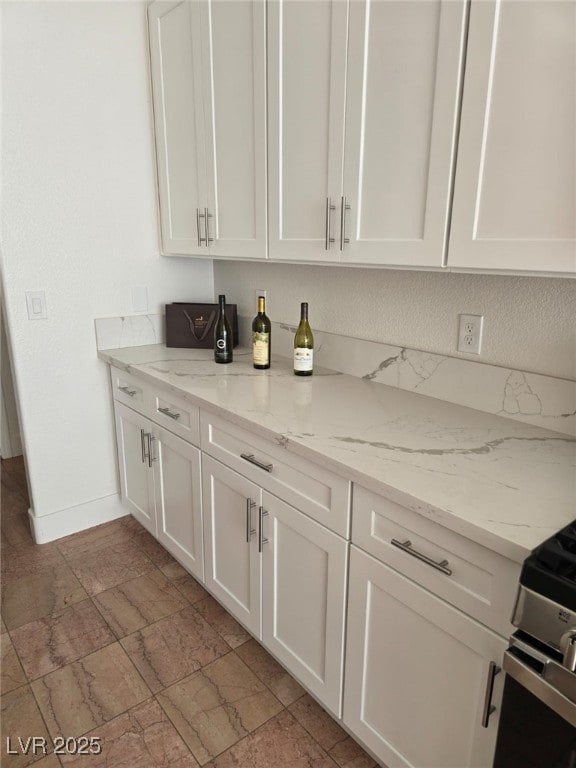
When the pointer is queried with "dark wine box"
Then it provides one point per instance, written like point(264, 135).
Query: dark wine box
point(192, 325)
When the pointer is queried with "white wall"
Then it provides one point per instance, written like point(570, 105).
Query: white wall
point(10, 440)
point(79, 221)
point(529, 322)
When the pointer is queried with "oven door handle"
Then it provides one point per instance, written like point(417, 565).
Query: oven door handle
point(535, 683)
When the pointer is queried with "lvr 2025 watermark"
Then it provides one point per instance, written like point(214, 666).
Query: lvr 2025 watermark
point(38, 745)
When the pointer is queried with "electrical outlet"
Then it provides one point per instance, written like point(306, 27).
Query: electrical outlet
point(470, 334)
point(259, 292)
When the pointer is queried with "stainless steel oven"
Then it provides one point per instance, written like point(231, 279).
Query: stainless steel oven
point(538, 720)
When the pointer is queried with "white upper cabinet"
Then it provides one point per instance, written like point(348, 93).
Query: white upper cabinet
point(363, 113)
point(515, 192)
point(306, 92)
point(209, 93)
point(404, 70)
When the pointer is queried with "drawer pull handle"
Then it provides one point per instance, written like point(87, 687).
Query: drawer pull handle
point(488, 706)
point(249, 530)
point(144, 454)
point(151, 456)
point(128, 391)
point(168, 412)
point(261, 540)
point(251, 458)
point(406, 546)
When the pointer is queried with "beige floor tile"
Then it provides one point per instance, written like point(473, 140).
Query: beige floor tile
point(317, 722)
point(139, 602)
point(11, 673)
point(349, 754)
point(87, 693)
point(54, 641)
point(173, 647)
point(220, 620)
point(217, 706)
point(91, 540)
point(3, 628)
point(153, 549)
point(41, 594)
point(20, 718)
point(272, 674)
point(192, 590)
point(51, 761)
point(280, 743)
point(28, 560)
point(143, 737)
point(13, 503)
point(109, 566)
point(16, 528)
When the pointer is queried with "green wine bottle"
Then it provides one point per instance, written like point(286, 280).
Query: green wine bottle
point(261, 336)
point(222, 334)
point(303, 345)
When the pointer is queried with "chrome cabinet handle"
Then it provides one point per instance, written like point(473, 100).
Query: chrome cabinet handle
point(249, 530)
point(144, 455)
point(343, 208)
point(251, 458)
point(168, 412)
point(201, 240)
point(151, 458)
point(488, 708)
point(328, 239)
point(261, 540)
point(128, 391)
point(406, 546)
point(207, 217)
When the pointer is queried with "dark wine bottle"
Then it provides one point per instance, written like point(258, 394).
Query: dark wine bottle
point(261, 336)
point(303, 345)
point(222, 334)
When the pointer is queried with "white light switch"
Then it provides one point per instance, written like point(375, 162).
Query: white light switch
point(36, 303)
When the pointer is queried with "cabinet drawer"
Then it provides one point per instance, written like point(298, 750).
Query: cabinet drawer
point(129, 390)
point(481, 582)
point(313, 490)
point(176, 414)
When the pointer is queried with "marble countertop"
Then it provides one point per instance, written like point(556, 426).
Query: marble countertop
point(502, 483)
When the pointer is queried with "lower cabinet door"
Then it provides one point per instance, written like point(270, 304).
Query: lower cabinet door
point(303, 598)
point(178, 498)
point(232, 561)
point(417, 672)
point(136, 477)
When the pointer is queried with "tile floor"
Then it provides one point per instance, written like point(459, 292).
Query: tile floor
point(104, 634)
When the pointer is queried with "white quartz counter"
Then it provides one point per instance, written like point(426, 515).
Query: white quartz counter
point(501, 483)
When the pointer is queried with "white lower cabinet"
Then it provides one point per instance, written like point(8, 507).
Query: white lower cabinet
point(281, 574)
point(160, 483)
point(232, 563)
point(418, 673)
point(304, 598)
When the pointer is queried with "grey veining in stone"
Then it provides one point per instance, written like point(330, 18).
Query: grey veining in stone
point(502, 483)
point(532, 398)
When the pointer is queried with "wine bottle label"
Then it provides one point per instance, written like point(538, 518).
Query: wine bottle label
point(303, 359)
point(261, 348)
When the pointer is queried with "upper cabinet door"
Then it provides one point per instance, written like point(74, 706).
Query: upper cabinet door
point(233, 34)
point(307, 44)
point(175, 50)
point(515, 192)
point(404, 71)
point(209, 92)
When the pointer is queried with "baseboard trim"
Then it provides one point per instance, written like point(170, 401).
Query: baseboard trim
point(47, 528)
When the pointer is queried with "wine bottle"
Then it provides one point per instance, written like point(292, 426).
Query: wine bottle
point(261, 335)
point(303, 345)
point(222, 334)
